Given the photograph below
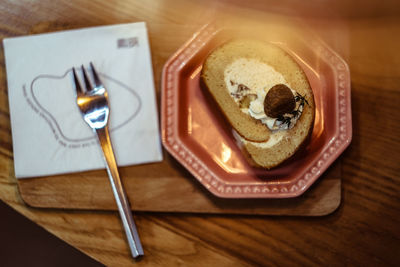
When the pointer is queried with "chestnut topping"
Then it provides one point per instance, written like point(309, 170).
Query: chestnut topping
point(279, 101)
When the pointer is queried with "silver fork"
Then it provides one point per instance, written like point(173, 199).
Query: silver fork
point(93, 104)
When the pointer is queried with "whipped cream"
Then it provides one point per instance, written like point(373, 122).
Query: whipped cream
point(248, 82)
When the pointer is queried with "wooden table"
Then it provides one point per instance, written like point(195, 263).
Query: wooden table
point(363, 231)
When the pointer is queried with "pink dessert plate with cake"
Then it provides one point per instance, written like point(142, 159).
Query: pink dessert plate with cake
point(197, 134)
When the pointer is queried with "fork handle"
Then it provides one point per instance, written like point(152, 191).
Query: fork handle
point(119, 193)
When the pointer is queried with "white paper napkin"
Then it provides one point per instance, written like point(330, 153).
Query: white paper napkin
point(49, 134)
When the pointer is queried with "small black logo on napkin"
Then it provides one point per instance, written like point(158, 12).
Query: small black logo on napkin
point(127, 42)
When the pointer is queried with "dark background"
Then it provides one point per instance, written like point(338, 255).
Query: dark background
point(24, 243)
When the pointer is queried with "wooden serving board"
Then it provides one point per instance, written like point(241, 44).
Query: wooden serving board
point(168, 187)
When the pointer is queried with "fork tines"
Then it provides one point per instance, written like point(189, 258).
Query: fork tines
point(88, 83)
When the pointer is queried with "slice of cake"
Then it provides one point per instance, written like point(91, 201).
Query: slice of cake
point(265, 96)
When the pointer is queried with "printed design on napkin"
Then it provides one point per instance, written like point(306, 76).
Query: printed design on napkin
point(127, 42)
point(65, 121)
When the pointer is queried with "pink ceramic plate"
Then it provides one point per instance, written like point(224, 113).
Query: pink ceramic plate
point(197, 135)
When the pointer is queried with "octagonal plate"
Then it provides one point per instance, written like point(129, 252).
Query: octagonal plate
point(195, 132)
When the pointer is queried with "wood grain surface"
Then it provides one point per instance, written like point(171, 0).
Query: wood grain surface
point(168, 187)
point(363, 231)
